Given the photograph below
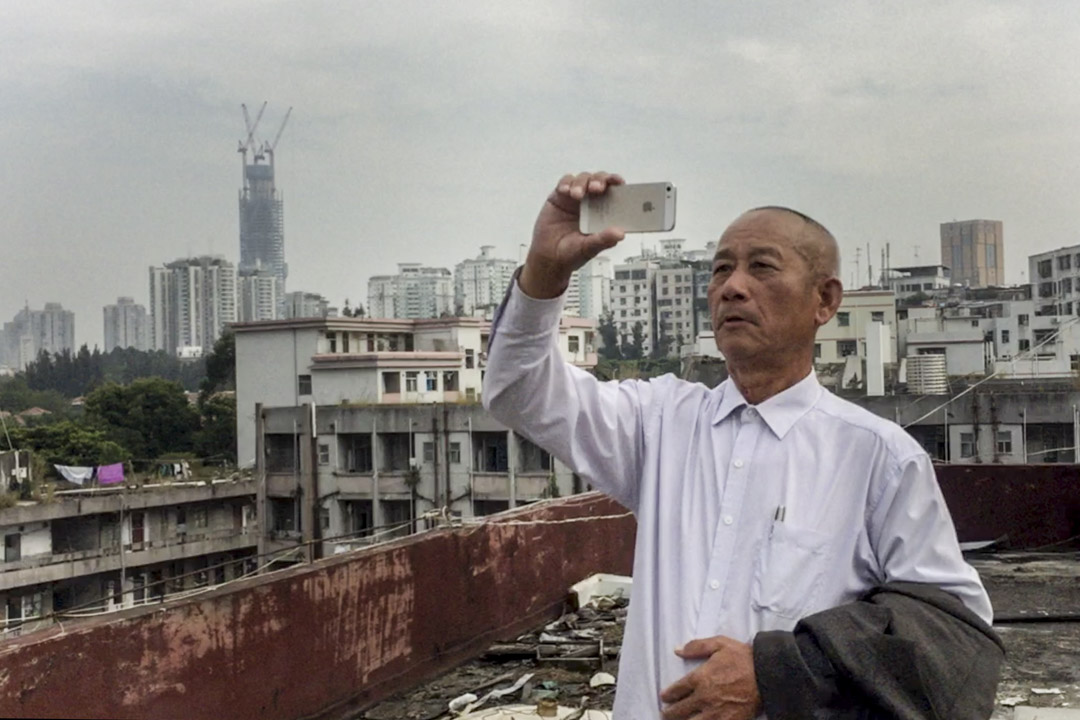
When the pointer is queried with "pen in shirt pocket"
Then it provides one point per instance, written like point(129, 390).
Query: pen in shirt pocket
point(780, 514)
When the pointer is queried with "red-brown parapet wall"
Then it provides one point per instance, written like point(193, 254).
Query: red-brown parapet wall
point(1034, 506)
point(321, 640)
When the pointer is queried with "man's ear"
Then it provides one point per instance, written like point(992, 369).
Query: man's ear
point(829, 294)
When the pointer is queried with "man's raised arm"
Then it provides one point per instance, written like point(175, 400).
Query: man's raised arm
point(596, 428)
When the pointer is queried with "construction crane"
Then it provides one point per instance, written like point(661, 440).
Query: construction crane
point(249, 143)
point(268, 148)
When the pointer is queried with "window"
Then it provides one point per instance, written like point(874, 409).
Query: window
point(391, 382)
point(1021, 319)
point(332, 337)
point(355, 452)
point(1004, 442)
point(967, 445)
point(324, 454)
point(1064, 261)
point(637, 274)
point(450, 381)
point(877, 316)
point(199, 517)
point(411, 380)
point(843, 319)
point(303, 384)
point(926, 286)
point(817, 351)
point(344, 342)
point(975, 323)
point(1043, 336)
point(455, 453)
point(574, 344)
point(431, 380)
point(470, 358)
point(1045, 268)
point(622, 274)
point(429, 452)
point(1004, 336)
point(846, 348)
point(1023, 344)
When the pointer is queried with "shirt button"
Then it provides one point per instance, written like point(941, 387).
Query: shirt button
point(714, 584)
point(751, 412)
point(728, 519)
point(738, 463)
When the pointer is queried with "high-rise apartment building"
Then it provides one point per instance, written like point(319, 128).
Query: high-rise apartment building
point(589, 294)
point(30, 332)
point(262, 226)
point(300, 304)
point(415, 292)
point(633, 300)
point(1055, 281)
point(480, 283)
point(191, 302)
point(126, 325)
point(974, 252)
point(258, 296)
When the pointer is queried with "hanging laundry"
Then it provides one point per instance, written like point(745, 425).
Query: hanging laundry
point(111, 474)
point(77, 475)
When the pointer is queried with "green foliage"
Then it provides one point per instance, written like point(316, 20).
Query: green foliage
point(220, 366)
point(69, 443)
point(635, 349)
point(76, 375)
point(16, 396)
point(609, 337)
point(663, 343)
point(216, 436)
point(149, 417)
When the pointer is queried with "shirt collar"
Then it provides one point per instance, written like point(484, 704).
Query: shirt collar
point(781, 411)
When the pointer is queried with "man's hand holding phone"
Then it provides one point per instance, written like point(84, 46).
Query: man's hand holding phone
point(558, 245)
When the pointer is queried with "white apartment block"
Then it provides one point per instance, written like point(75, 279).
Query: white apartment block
point(589, 293)
point(480, 283)
point(1055, 281)
point(31, 332)
point(922, 279)
point(126, 325)
point(365, 361)
point(677, 316)
point(845, 334)
point(415, 292)
point(300, 304)
point(192, 301)
point(633, 300)
point(258, 296)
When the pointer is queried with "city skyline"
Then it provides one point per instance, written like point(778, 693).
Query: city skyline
point(420, 140)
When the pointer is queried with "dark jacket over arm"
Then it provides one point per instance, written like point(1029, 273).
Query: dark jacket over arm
point(903, 651)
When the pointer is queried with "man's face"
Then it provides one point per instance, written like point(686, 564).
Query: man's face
point(762, 296)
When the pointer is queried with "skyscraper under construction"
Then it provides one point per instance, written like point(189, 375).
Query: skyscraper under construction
point(262, 230)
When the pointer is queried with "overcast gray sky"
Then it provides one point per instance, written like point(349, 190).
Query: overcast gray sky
point(422, 130)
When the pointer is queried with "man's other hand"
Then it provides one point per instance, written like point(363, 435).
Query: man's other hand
point(723, 688)
point(558, 247)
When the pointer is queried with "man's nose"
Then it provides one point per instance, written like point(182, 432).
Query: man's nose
point(734, 287)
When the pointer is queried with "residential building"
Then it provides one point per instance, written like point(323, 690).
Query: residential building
point(345, 361)
point(480, 283)
point(352, 473)
point(928, 280)
point(844, 336)
point(1055, 280)
point(589, 293)
point(80, 551)
point(301, 304)
point(974, 251)
point(126, 325)
point(415, 292)
point(633, 300)
point(258, 296)
point(192, 300)
point(32, 332)
point(680, 299)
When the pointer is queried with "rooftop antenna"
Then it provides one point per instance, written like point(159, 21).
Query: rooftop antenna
point(858, 265)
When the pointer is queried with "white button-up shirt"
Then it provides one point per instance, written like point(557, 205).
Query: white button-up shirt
point(749, 517)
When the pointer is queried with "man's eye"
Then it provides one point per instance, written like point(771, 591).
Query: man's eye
point(721, 269)
point(762, 266)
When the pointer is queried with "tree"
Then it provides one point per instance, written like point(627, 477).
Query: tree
point(635, 349)
point(609, 337)
point(216, 436)
point(68, 443)
point(220, 366)
point(662, 346)
point(149, 417)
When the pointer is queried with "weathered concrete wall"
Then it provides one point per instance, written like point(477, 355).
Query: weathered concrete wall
point(1034, 505)
point(325, 639)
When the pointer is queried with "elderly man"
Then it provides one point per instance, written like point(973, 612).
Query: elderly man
point(794, 555)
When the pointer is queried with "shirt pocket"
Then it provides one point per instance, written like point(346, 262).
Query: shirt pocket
point(789, 571)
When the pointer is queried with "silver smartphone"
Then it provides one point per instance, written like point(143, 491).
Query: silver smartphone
point(646, 207)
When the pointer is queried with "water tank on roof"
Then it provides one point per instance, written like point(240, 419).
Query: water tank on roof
point(927, 375)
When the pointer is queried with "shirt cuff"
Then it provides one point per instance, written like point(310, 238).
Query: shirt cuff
point(528, 314)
